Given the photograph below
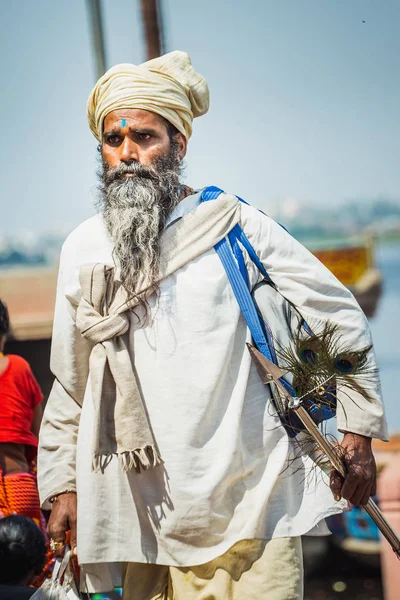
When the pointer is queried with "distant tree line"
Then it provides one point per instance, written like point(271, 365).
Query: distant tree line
point(15, 258)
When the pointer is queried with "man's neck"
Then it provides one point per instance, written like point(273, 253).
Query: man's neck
point(186, 191)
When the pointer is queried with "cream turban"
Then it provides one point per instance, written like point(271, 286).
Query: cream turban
point(167, 85)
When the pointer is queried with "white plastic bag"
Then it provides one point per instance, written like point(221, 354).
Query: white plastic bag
point(61, 586)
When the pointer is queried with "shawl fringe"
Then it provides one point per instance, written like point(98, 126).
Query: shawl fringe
point(139, 459)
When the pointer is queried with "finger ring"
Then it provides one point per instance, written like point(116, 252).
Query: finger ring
point(55, 545)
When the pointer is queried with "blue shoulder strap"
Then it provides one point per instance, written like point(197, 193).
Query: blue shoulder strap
point(238, 278)
point(211, 193)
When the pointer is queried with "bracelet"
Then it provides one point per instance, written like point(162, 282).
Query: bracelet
point(55, 496)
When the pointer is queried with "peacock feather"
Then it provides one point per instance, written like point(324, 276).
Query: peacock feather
point(321, 363)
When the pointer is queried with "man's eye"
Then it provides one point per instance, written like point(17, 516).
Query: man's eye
point(143, 136)
point(113, 139)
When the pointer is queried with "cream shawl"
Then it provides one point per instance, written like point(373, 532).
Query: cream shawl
point(122, 427)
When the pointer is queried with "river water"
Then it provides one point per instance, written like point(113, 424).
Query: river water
point(385, 326)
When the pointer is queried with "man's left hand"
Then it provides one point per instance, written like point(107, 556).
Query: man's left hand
point(360, 481)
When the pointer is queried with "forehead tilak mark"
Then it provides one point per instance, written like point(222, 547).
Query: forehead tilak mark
point(123, 122)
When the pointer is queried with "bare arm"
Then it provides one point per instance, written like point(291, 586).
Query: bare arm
point(62, 519)
point(37, 419)
point(360, 482)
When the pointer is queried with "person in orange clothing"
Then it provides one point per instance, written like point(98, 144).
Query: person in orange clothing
point(20, 418)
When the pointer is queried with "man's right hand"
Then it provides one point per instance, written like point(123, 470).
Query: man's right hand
point(63, 519)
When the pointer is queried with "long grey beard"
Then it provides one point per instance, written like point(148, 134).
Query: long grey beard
point(135, 211)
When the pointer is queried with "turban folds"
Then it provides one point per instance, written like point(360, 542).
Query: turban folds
point(167, 85)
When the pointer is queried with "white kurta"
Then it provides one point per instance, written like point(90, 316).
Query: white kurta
point(229, 472)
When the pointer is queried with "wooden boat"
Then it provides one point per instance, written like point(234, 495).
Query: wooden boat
point(353, 263)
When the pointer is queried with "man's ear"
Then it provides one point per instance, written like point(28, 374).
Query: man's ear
point(182, 145)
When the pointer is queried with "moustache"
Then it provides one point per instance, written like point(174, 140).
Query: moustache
point(112, 174)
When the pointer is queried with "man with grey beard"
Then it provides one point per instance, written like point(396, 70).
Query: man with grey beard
point(159, 450)
point(136, 201)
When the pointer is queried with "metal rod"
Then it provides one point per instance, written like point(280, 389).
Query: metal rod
point(371, 508)
point(97, 35)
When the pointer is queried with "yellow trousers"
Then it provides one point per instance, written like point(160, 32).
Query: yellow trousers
point(250, 570)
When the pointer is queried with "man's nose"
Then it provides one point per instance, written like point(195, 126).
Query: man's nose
point(129, 151)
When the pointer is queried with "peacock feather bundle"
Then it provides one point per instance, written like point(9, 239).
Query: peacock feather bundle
point(320, 364)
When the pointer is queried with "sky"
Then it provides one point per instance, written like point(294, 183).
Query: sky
point(304, 101)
